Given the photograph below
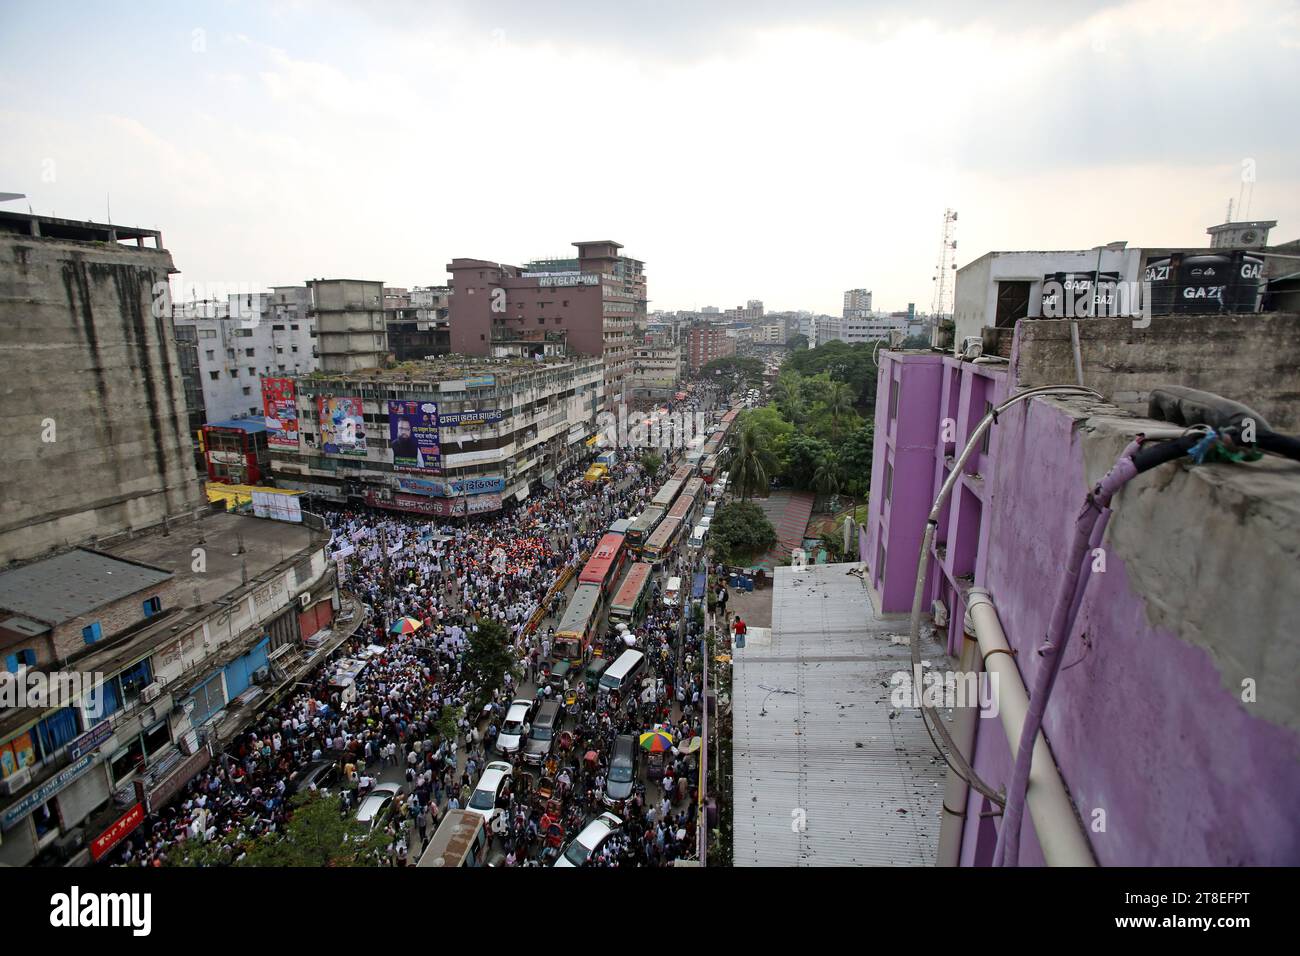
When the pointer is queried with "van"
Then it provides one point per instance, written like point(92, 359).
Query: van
point(542, 736)
point(460, 840)
point(623, 673)
point(710, 509)
point(697, 537)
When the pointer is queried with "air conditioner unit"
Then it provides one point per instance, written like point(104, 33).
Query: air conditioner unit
point(940, 612)
point(972, 347)
point(304, 600)
point(261, 675)
point(15, 782)
point(151, 692)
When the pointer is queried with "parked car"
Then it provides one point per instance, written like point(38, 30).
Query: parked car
point(589, 840)
point(511, 737)
point(487, 791)
point(376, 804)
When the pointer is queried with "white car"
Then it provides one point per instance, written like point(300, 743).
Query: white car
point(484, 799)
point(376, 804)
point(511, 737)
point(589, 840)
point(673, 592)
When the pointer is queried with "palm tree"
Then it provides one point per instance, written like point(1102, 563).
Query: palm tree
point(840, 404)
point(747, 456)
point(826, 479)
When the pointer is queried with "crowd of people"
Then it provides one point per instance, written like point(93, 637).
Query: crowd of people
point(394, 714)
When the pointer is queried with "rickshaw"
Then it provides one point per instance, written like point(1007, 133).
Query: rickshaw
point(544, 791)
point(565, 742)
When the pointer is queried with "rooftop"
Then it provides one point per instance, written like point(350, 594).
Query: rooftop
point(68, 585)
point(446, 368)
point(814, 732)
point(48, 227)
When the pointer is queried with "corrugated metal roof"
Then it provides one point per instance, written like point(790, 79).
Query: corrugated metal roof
point(76, 582)
point(829, 748)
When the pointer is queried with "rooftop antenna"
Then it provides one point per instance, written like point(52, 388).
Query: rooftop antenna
point(942, 304)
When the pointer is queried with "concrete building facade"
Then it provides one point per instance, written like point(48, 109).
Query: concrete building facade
point(242, 339)
point(350, 325)
point(707, 342)
point(95, 418)
point(500, 427)
point(596, 306)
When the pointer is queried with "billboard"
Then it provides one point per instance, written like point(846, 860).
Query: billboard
point(451, 489)
point(477, 417)
point(280, 407)
point(342, 426)
point(413, 435)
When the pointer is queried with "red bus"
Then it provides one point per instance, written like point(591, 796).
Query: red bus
point(683, 507)
point(605, 564)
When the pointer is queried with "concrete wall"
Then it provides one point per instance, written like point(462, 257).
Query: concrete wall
point(1147, 720)
point(1254, 359)
point(80, 344)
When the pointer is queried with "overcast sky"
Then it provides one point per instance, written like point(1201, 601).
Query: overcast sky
point(783, 151)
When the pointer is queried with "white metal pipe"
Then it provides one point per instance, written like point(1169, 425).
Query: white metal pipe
point(1059, 834)
point(956, 789)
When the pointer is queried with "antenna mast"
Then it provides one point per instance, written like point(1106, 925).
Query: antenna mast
point(941, 308)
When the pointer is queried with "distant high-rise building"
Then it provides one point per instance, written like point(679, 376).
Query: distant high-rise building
point(857, 304)
point(350, 326)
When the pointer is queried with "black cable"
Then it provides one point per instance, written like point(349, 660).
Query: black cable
point(1286, 445)
point(1154, 454)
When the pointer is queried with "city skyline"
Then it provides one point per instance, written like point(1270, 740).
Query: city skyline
point(299, 140)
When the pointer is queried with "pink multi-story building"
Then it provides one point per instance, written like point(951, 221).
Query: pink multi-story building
point(593, 306)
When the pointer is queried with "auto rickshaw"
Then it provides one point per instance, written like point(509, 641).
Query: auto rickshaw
point(557, 675)
point(591, 675)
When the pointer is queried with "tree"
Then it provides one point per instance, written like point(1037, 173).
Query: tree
point(797, 342)
point(773, 433)
point(318, 834)
point(490, 657)
point(840, 404)
point(826, 477)
point(748, 368)
point(803, 456)
point(651, 462)
point(855, 459)
point(740, 532)
point(747, 471)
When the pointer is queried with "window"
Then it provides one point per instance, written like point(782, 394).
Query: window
point(293, 328)
point(889, 480)
point(253, 411)
point(279, 349)
point(230, 353)
point(249, 352)
point(207, 333)
point(252, 371)
point(294, 347)
point(248, 390)
point(212, 355)
point(893, 399)
point(214, 375)
point(277, 328)
point(127, 760)
point(134, 679)
point(21, 658)
point(56, 731)
point(152, 606)
point(234, 373)
point(91, 633)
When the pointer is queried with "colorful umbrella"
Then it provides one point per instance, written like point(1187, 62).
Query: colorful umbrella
point(656, 741)
point(690, 746)
point(406, 625)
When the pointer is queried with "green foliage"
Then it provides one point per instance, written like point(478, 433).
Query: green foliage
point(851, 364)
point(855, 460)
point(797, 342)
point(750, 369)
point(448, 724)
point(489, 658)
point(803, 456)
point(651, 462)
point(771, 432)
point(749, 462)
point(740, 532)
point(318, 834)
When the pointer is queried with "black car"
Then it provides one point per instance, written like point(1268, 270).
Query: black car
point(621, 776)
point(324, 774)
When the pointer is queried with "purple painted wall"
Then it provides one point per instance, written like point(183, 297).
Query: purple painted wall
point(1142, 723)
